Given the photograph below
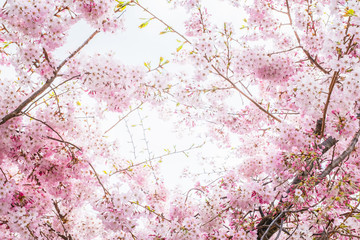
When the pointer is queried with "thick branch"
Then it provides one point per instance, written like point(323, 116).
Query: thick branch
point(270, 222)
point(342, 156)
point(17, 111)
point(331, 87)
point(325, 146)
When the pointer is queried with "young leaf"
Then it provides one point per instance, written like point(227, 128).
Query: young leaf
point(144, 24)
point(179, 48)
point(121, 6)
point(147, 65)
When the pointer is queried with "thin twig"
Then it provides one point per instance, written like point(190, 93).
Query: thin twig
point(244, 94)
point(197, 189)
point(131, 139)
point(62, 141)
point(218, 72)
point(6, 180)
point(62, 220)
point(151, 211)
point(158, 157)
point(312, 60)
point(155, 17)
point(36, 119)
point(97, 177)
point(215, 217)
point(38, 98)
point(287, 50)
point(123, 118)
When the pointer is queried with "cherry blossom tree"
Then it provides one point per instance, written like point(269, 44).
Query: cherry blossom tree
point(279, 91)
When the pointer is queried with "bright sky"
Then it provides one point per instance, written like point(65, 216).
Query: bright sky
point(136, 46)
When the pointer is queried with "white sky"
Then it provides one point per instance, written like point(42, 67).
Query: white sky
point(136, 46)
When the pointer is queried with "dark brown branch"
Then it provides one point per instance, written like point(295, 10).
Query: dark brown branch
point(46, 56)
point(270, 221)
point(342, 156)
point(281, 228)
point(325, 146)
point(17, 111)
point(331, 87)
point(269, 225)
point(63, 220)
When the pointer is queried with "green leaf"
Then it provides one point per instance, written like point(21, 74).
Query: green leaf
point(6, 44)
point(350, 13)
point(143, 24)
point(147, 65)
point(179, 48)
point(167, 29)
point(121, 5)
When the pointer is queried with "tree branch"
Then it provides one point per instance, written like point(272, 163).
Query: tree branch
point(325, 146)
point(312, 60)
point(342, 156)
point(218, 72)
point(123, 117)
point(17, 111)
point(97, 177)
point(158, 157)
point(331, 87)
